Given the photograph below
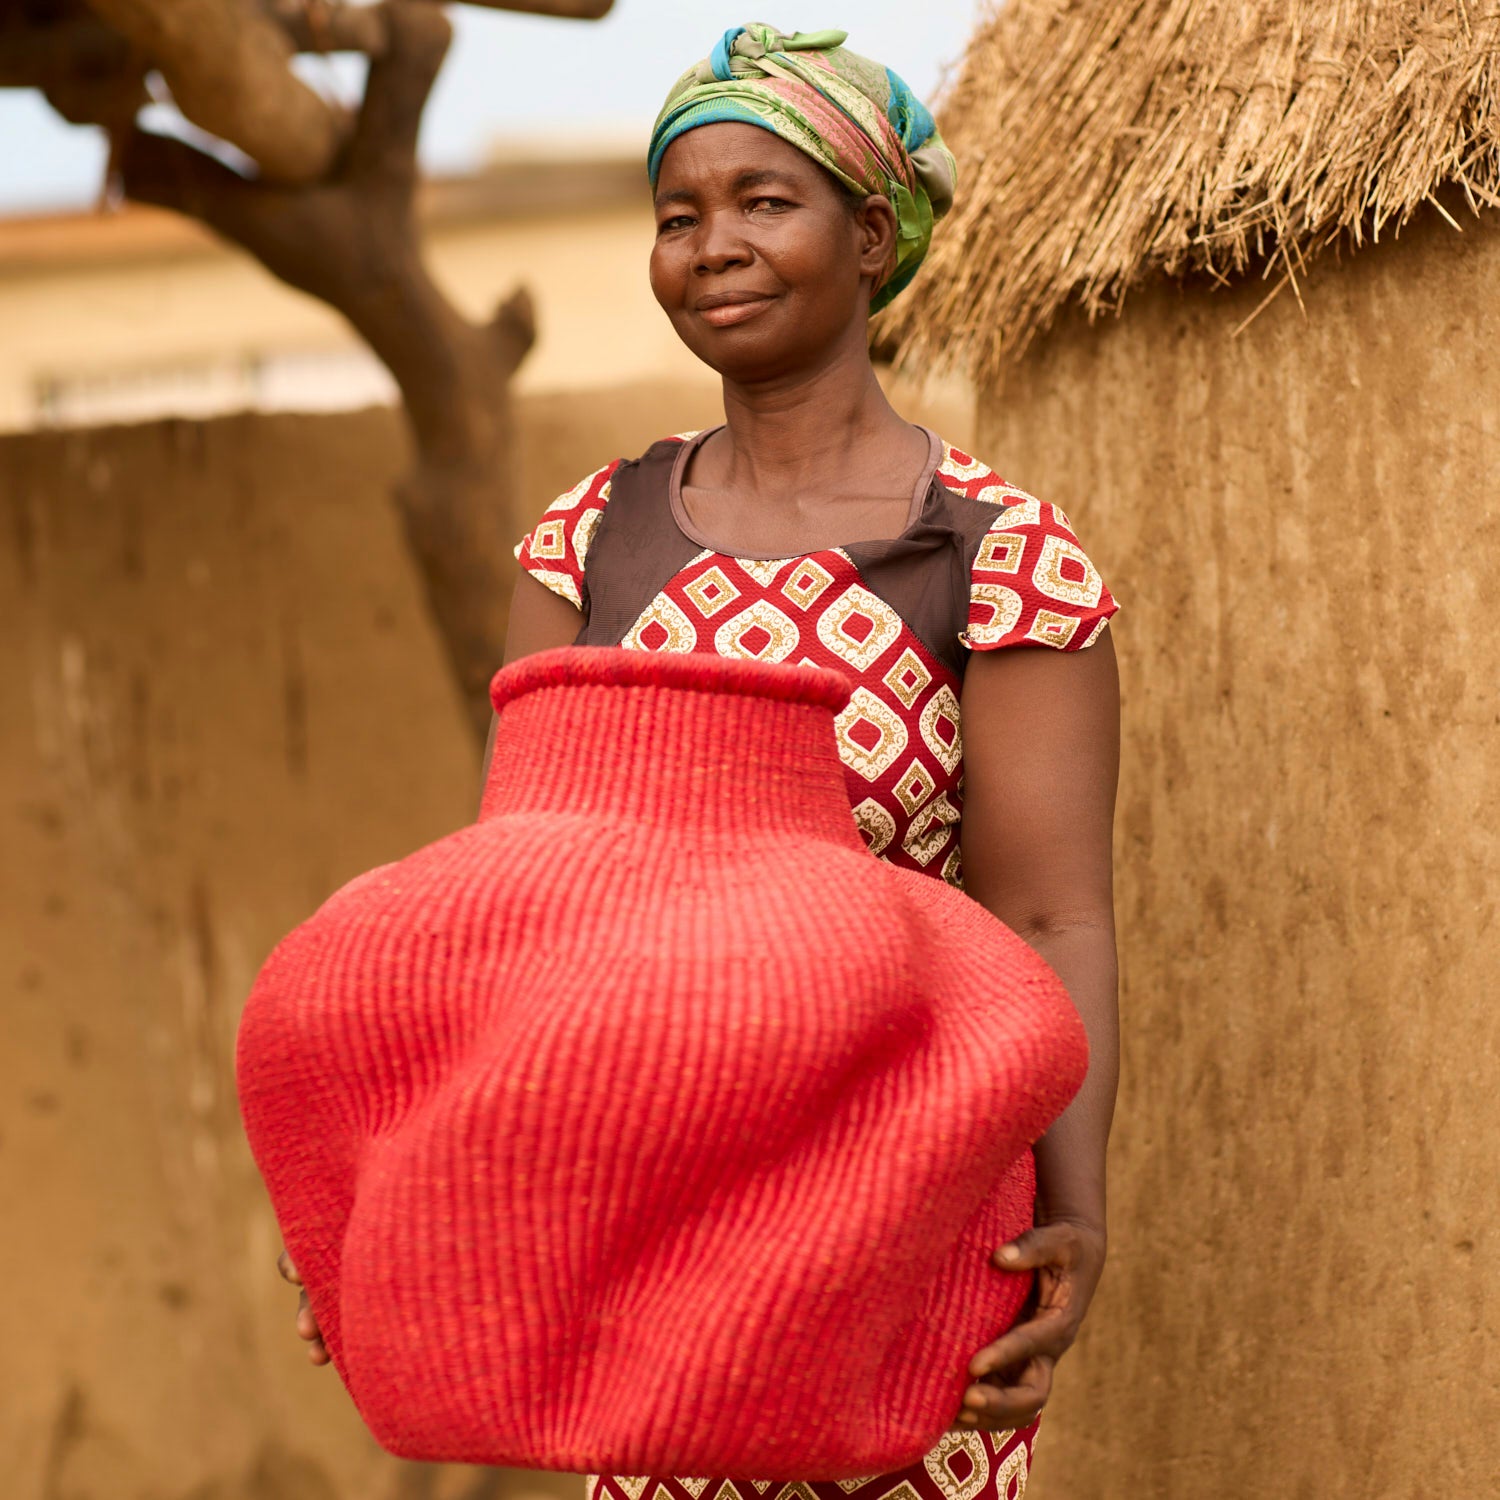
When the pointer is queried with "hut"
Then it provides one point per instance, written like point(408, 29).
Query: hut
point(1176, 281)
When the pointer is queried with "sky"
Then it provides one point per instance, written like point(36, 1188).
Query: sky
point(510, 76)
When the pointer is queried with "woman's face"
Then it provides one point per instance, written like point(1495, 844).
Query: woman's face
point(760, 262)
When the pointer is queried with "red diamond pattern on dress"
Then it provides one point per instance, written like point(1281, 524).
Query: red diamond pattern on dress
point(1031, 582)
point(548, 542)
point(940, 728)
point(1051, 628)
point(900, 739)
point(914, 788)
point(760, 631)
point(858, 626)
point(712, 592)
point(907, 678)
point(932, 830)
point(818, 610)
point(806, 583)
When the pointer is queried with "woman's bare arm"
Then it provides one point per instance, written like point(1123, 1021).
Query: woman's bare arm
point(539, 620)
point(1041, 759)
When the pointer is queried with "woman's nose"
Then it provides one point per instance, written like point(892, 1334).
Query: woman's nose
point(720, 244)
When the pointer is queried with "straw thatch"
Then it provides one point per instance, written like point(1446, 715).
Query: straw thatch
point(1103, 142)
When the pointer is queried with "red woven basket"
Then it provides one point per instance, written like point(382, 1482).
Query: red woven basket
point(650, 1124)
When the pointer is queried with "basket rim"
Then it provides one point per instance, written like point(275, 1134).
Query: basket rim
point(693, 672)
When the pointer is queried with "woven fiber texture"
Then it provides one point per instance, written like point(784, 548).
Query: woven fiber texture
point(651, 1124)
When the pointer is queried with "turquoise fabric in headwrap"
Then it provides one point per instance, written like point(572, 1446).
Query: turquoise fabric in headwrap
point(854, 117)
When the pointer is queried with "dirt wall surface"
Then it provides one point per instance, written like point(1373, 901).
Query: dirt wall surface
point(222, 697)
point(1302, 1298)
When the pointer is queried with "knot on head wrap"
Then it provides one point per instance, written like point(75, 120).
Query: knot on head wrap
point(855, 118)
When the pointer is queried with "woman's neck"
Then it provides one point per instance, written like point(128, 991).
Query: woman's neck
point(785, 434)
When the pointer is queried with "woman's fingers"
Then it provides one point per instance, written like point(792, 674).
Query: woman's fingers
point(307, 1328)
point(1049, 1335)
point(1014, 1374)
point(1045, 1245)
point(307, 1324)
point(1013, 1404)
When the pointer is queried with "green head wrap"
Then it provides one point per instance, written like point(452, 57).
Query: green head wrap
point(855, 118)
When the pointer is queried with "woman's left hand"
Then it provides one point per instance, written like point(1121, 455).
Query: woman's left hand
point(1013, 1376)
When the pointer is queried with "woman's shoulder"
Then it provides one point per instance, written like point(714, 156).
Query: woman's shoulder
point(555, 550)
point(596, 486)
point(961, 474)
point(1030, 581)
point(998, 504)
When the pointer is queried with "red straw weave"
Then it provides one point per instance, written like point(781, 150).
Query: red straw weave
point(651, 1125)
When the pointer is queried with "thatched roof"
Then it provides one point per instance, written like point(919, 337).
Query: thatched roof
point(1104, 142)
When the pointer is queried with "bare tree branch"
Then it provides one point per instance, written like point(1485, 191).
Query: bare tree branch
point(225, 62)
point(88, 71)
point(76, 53)
point(80, 49)
point(30, 57)
point(319, 26)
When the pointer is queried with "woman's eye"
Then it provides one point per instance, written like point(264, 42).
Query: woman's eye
point(679, 221)
point(774, 205)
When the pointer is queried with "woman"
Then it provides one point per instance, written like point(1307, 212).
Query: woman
point(796, 185)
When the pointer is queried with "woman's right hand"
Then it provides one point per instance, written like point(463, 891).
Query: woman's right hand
point(307, 1325)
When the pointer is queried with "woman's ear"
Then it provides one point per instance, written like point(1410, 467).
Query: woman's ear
point(877, 239)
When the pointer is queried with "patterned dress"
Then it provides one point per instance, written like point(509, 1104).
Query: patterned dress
point(980, 565)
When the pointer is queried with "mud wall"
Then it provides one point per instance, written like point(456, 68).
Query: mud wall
point(220, 698)
point(1301, 525)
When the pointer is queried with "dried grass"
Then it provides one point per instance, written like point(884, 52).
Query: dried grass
point(1104, 142)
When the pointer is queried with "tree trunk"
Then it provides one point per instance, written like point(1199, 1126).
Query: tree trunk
point(352, 241)
point(330, 212)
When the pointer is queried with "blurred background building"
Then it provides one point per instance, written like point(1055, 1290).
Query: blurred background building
point(135, 313)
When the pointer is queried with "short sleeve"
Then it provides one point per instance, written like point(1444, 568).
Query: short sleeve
point(555, 550)
point(1031, 583)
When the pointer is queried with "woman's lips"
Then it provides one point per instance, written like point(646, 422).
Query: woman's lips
point(724, 314)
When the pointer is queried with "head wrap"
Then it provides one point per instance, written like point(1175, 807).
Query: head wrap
point(855, 118)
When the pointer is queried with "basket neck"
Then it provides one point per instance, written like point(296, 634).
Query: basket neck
point(730, 763)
